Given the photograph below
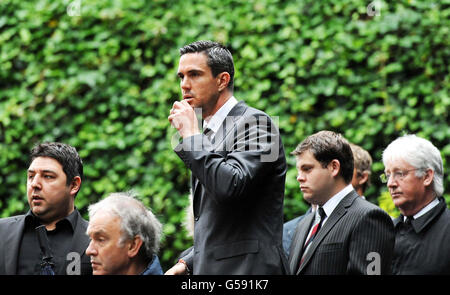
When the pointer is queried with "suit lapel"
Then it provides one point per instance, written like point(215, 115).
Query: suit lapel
point(336, 215)
point(195, 200)
point(80, 242)
point(12, 239)
point(228, 124)
point(235, 113)
point(298, 241)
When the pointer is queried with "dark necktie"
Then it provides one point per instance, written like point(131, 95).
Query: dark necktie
point(314, 232)
point(47, 264)
point(408, 221)
point(208, 132)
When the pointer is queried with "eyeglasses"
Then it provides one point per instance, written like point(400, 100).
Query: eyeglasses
point(398, 175)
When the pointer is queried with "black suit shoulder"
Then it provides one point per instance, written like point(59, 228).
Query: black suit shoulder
point(10, 224)
point(253, 111)
point(8, 220)
point(365, 206)
point(242, 109)
point(363, 211)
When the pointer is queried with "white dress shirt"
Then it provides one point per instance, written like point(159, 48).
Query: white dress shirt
point(328, 207)
point(332, 203)
point(217, 119)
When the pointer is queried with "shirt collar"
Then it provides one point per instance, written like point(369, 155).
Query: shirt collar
point(425, 209)
point(332, 203)
point(153, 268)
point(419, 223)
point(33, 220)
point(217, 119)
point(73, 218)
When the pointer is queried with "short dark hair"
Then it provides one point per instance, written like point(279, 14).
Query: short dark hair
point(65, 154)
point(327, 146)
point(219, 58)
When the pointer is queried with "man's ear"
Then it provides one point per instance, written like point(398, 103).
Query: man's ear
point(75, 185)
point(428, 177)
point(363, 178)
point(335, 167)
point(134, 246)
point(223, 79)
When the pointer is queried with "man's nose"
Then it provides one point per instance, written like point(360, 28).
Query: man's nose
point(90, 251)
point(36, 182)
point(185, 83)
point(391, 182)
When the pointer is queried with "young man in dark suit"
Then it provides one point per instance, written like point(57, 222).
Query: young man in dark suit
point(53, 180)
point(238, 170)
point(346, 234)
point(360, 182)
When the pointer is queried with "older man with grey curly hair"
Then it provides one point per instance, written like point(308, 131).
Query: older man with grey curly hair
point(124, 236)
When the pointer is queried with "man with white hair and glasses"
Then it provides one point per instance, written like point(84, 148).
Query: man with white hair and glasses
point(414, 176)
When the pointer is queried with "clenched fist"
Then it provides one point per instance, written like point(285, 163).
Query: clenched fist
point(183, 118)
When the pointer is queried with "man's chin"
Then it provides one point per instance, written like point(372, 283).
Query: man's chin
point(308, 198)
point(41, 213)
point(38, 211)
point(98, 272)
point(399, 202)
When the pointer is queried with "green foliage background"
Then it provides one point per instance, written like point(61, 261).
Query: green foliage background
point(105, 81)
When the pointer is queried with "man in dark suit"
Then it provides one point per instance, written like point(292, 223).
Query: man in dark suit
point(360, 182)
point(238, 170)
point(346, 234)
point(53, 180)
point(414, 174)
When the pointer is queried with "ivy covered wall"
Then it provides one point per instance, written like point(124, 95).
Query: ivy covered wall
point(101, 75)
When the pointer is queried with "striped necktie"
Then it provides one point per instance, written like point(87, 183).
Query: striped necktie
point(314, 231)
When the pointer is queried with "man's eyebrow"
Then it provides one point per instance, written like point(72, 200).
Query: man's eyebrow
point(191, 71)
point(195, 71)
point(43, 171)
point(306, 165)
point(97, 232)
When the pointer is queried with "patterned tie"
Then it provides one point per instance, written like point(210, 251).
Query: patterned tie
point(314, 232)
point(47, 264)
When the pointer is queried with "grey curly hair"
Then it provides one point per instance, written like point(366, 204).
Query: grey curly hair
point(135, 219)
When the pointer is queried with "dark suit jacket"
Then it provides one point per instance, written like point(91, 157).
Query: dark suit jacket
point(347, 241)
point(238, 191)
point(424, 247)
point(289, 231)
point(11, 231)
